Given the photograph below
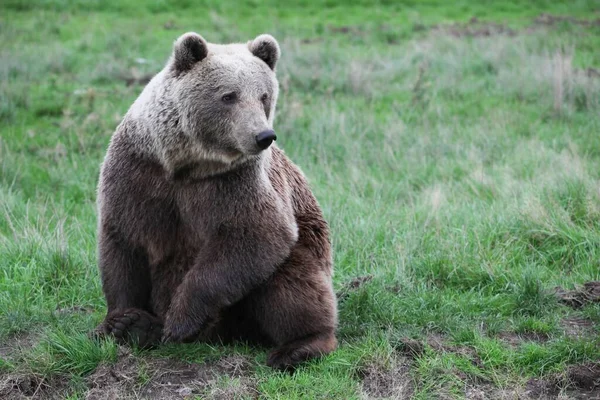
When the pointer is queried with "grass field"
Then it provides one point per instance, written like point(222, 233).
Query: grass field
point(454, 148)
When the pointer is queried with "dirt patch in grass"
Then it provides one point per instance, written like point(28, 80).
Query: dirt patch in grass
point(537, 388)
point(352, 285)
point(592, 72)
point(359, 281)
point(415, 348)
point(489, 391)
point(386, 382)
point(148, 378)
point(13, 346)
point(312, 40)
point(579, 382)
point(31, 386)
point(18, 385)
point(588, 293)
point(474, 28)
point(412, 348)
point(577, 327)
point(515, 339)
point(552, 20)
point(585, 377)
point(169, 379)
point(345, 29)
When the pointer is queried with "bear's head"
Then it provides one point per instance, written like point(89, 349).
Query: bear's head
point(225, 95)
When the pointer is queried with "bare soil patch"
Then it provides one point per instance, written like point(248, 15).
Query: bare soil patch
point(168, 378)
point(12, 347)
point(585, 377)
point(515, 339)
point(346, 29)
point(387, 382)
point(588, 293)
point(353, 285)
point(552, 20)
point(474, 28)
point(149, 378)
point(31, 386)
point(415, 348)
point(359, 281)
point(535, 389)
point(577, 327)
point(577, 382)
point(592, 72)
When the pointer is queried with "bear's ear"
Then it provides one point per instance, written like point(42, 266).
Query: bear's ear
point(189, 49)
point(266, 48)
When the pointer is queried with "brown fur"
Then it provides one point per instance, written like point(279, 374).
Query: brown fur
point(217, 248)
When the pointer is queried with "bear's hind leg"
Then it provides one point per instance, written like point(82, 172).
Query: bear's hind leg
point(132, 326)
point(297, 310)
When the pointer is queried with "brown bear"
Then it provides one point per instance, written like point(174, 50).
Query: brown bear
point(206, 230)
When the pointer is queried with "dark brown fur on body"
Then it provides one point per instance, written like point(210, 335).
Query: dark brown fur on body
point(210, 252)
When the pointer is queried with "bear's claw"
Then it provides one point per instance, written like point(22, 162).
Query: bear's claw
point(287, 357)
point(133, 326)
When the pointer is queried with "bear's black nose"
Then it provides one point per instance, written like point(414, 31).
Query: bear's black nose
point(265, 138)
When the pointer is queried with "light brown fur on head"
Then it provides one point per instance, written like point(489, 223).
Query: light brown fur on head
point(209, 102)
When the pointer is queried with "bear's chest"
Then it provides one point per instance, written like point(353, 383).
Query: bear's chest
point(240, 204)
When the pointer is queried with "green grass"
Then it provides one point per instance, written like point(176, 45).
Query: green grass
point(459, 171)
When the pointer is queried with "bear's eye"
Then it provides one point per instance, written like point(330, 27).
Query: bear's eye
point(229, 98)
point(264, 97)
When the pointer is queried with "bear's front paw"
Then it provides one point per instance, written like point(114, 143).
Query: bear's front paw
point(131, 326)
